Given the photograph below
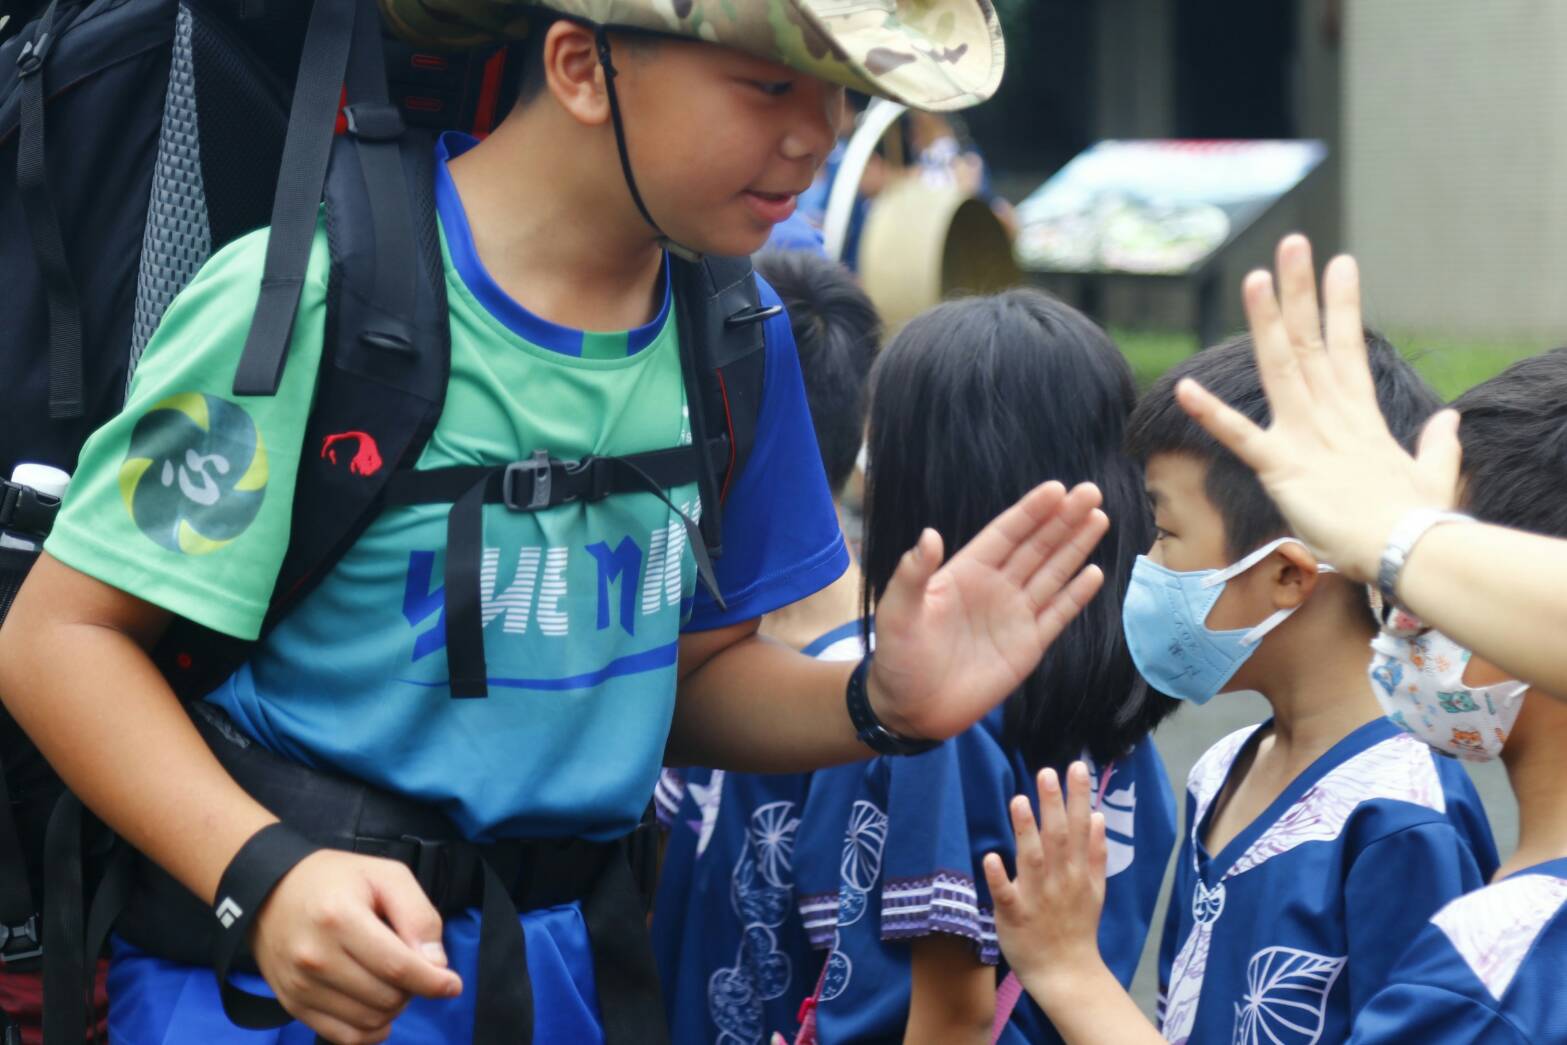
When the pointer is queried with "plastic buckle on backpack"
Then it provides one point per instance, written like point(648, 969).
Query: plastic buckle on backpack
point(31, 58)
point(754, 314)
point(597, 469)
point(431, 865)
point(538, 466)
point(374, 123)
point(20, 942)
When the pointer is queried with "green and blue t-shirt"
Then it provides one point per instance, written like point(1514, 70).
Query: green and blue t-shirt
point(185, 500)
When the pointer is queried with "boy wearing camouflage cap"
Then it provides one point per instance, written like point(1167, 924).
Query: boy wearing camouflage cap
point(627, 139)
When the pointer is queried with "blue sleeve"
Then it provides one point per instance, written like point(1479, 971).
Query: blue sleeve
point(1407, 1012)
point(946, 809)
point(1394, 887)
point(782, 541)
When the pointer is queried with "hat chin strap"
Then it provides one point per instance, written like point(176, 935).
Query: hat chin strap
point(601, 37)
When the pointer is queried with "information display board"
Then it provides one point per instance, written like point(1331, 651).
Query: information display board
point(1163, 207)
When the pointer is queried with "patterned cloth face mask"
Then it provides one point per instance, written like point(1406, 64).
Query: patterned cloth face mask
point(1164, 617)
point(1419, 681)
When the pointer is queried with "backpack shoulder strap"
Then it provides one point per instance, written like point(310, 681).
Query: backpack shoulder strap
point(723, 356)
point(381, 387)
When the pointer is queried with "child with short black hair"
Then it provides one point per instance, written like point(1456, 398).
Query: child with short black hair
point(1302, 831)
point(1488, 967)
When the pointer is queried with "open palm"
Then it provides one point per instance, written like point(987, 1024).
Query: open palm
point(954, 640)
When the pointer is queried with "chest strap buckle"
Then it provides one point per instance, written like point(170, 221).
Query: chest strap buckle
point(538, 466)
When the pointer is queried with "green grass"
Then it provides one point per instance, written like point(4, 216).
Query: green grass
point(1452, 365)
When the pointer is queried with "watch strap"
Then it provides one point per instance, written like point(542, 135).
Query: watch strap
point(1401, 542)
point(868, 729)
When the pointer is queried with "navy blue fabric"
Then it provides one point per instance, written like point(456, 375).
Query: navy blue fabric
point(732, 954)
point(1303, 914)
point(156, 1002)
point(891, 851)
point(1488, 970)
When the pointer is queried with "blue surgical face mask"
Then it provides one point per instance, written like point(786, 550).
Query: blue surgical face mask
point(1165, 616)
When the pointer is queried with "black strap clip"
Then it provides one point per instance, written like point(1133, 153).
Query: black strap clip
point(374, 123)
point(538, 466)
point(26, 509)
point(753, 314)
point(19, 943)
point(31, 59)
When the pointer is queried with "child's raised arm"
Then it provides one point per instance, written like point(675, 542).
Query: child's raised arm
point(1048, 918)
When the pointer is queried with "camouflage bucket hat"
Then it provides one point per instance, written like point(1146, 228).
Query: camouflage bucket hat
point(928, 54)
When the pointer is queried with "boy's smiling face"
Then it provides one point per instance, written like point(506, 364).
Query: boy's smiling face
point(721, 142)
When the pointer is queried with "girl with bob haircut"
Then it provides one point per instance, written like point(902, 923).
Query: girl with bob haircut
point(974, 403)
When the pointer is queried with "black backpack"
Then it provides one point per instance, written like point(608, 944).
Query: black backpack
point(146, 134)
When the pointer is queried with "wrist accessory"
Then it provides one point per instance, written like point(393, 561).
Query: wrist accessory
point(251, 876)
point(868, 729)
point(1402, 541)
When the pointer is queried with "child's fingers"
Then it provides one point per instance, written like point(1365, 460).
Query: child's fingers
point(1077, 809)
point(1052, 819)
point(1030, 857)
point(1098, 848)
point(1002, 891)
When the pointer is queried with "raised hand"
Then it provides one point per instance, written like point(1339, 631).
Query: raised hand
point(954, 640)
point(1048, 918)
point(1327, 460)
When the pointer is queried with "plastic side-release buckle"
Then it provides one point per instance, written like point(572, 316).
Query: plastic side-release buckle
point(538, 466)
point(20, 942)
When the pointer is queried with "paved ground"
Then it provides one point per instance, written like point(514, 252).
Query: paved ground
point(1189, 732)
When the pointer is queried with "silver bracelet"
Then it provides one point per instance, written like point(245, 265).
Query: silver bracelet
point(1402, 541)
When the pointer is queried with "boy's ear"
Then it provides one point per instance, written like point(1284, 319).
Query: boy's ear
point(572, 73)
point(1294, 574)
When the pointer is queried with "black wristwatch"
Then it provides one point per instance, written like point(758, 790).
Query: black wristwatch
point(868, 729)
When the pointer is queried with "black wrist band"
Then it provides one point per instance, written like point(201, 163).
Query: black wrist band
point(868, 729)
point(251, 876)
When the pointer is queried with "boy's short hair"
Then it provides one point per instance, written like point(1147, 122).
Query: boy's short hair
point(1158, 425)
point(1514, 436)
point(837, 331)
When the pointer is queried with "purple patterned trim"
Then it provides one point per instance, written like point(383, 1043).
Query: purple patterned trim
point(819, 913)
point(668, 793)
point(945, 902)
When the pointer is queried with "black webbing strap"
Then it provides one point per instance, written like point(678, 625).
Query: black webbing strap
point(322, 65)
point(607, 61)
point(43, 225)
point(108, 903)
point(503, 1008)
point(623, 965)
point(376, 125)
point(687, 279)
point(529, 486)
point(66, 965)
point(20, 938)
point(251, 876)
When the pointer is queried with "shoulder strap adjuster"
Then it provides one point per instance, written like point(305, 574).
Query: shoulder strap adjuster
point(538, 466)
point(31, 58)
point(372, 122)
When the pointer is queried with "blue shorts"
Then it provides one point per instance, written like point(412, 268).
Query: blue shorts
point(156, 1002)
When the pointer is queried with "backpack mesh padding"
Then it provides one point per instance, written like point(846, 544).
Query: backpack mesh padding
point(177, 239)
